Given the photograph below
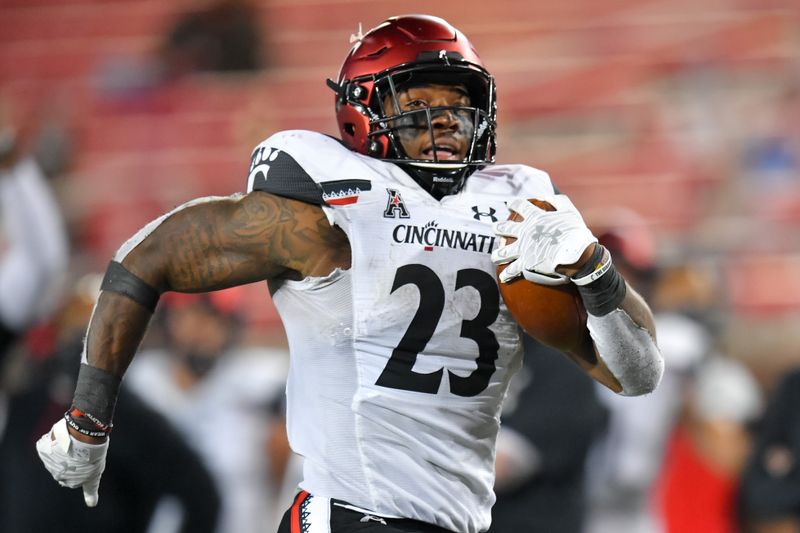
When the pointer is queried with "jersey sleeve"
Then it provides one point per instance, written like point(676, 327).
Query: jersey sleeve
point(274, 170)
point(308, 166)
point(535, 182)
point(512, 181)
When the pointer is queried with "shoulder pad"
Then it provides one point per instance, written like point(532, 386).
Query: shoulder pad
point(307, 166)
point(514, 180)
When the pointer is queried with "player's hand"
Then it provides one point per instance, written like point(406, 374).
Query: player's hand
point(543, 240)
point(71, 462)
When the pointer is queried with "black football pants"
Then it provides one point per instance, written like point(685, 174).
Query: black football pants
point(334, 516)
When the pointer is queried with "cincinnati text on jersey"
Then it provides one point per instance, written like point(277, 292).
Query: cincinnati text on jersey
point(431, 235)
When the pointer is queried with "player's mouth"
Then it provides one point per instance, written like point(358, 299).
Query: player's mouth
point(444, 151)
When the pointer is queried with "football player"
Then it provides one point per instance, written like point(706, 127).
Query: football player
point(379, 249)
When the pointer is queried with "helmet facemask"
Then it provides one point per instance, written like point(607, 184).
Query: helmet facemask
point(389, 125)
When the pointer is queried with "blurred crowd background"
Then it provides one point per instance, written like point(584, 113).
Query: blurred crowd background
point(674, 125)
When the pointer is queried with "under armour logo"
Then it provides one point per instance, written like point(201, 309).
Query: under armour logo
point(478, 213)
point(395, 206)
point(539, 233)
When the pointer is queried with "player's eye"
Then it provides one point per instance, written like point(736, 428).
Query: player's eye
point(416, 104)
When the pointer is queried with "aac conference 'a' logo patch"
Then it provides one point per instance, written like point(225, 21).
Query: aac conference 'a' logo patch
point(344, 192)
point(395, 206)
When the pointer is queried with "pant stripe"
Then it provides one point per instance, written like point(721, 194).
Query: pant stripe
point(298, 501)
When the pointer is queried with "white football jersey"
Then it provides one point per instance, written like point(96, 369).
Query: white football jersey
point(399, 364)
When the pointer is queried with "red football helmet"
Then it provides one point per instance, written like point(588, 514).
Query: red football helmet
point(401, 52)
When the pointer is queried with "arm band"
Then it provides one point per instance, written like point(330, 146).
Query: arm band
point(77, 420)
point(628, 350)
point(122, 281)
point(601, 287)
point(95, 398)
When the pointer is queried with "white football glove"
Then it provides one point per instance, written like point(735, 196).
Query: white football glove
point(71, 462)
point(544, 240)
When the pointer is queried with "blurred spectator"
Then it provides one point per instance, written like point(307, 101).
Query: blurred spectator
point(150, 462)
point(769, 187)
point(690, 289)
point(225, 398)
point(624, 464)
point(222, 36)
point(33, 240)
point(708, 449)
point(770, 486)
point(771, 156)
point(550, 418)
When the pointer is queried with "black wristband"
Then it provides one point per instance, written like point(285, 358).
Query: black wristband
point(594, 264)
point(605, 293)
point(77, 420)
point(122, 281)
point(96, 395)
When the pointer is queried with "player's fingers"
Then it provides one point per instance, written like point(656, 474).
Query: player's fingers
point(91, 491)
point(511, 272)
point(44, 446)
point(545, 279)
point(506, 228)
point(60, 436)
point(506, 253)
point(523, 207)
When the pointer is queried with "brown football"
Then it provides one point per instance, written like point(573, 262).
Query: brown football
point(552, 314)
